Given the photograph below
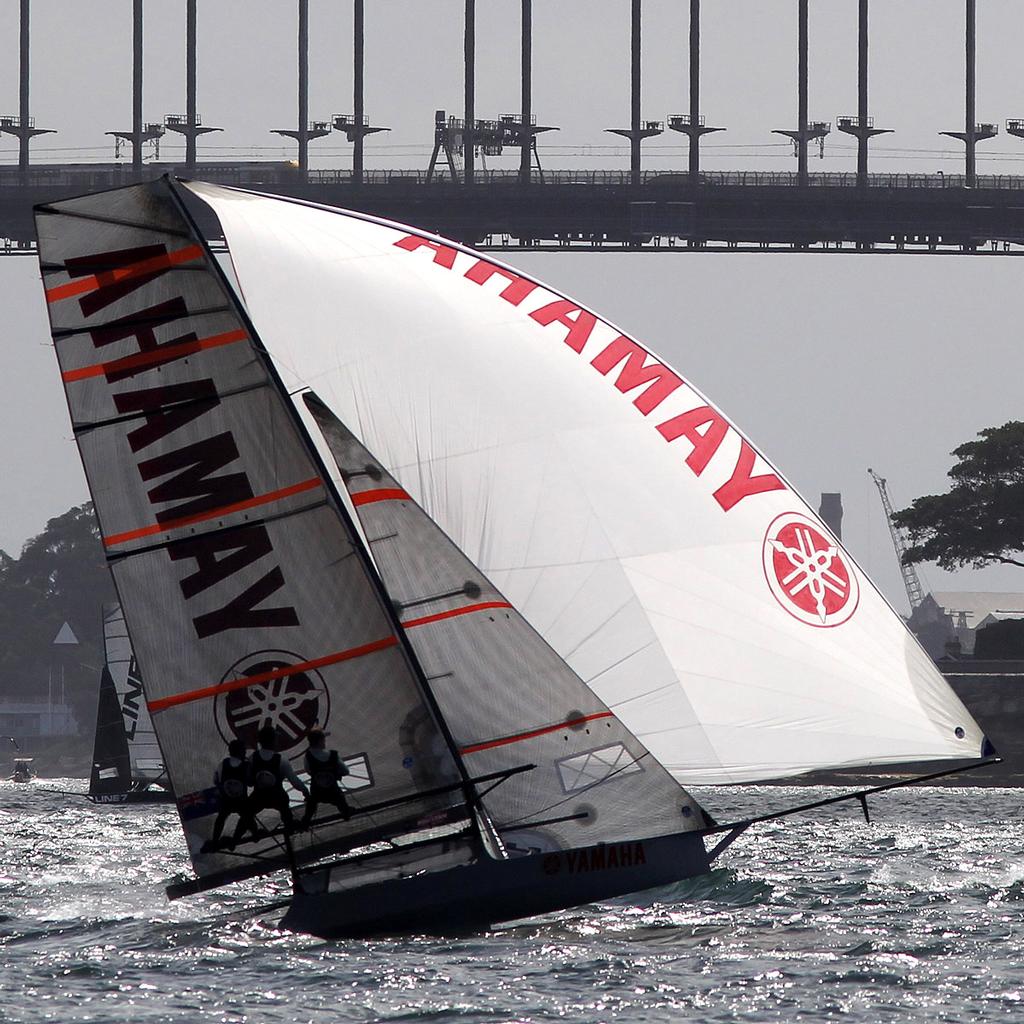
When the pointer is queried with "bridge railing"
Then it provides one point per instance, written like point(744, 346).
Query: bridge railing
point(89, 177)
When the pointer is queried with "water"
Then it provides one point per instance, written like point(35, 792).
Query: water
point(916, 917)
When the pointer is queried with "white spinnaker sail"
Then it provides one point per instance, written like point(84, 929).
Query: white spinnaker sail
point(633, 525)
point(147, 763)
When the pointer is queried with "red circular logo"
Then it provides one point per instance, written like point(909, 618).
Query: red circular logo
point(807, 571)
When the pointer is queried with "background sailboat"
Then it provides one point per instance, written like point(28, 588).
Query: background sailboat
point(127, 764)
point(715, 645)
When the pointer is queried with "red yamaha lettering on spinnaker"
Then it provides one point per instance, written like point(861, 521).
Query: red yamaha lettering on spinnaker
point(637, 368)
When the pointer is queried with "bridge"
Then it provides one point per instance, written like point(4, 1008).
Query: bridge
point(534, 208)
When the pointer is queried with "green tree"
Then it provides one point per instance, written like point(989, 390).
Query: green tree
point(61, 576)
point(980, 521)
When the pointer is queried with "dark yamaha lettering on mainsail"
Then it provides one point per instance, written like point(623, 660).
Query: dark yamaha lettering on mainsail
point(223, 537)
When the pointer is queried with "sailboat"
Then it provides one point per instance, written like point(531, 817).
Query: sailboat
point(543, 588)
point(127, 766)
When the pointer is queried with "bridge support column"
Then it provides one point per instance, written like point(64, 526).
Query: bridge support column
point(805, 131)
point(358, 110)
point(469, 131)
point(526, 139)
point(862, 127)
point(137, 85)
point(307, 130)
point(692, 124)
point(140, 133)
point(973, 132)
point(638, 130)
point(190, 125)
point(23, 127)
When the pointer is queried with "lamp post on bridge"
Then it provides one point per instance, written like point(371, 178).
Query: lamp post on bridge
point(805, 131)
point(22, 126)
point(973, 132)
point(141, 133)
point(692, 124)
point(638, 130)
point(191, 125)
point(306, 130)
point(862, 127)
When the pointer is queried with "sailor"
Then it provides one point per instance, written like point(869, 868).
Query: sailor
point(326, 769)
point(232, 782)
point(268, 773)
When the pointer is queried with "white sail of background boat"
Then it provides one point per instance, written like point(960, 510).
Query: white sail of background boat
point(127, 766)
point(581, 574)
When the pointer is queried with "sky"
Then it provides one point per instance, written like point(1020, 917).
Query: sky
point(829, 363)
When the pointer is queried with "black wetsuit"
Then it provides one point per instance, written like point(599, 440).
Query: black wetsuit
point(232, 783)
point(268, 793)
point(323, 784)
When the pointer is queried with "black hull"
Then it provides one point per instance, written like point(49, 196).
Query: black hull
point(148, 797)
point(475, 896)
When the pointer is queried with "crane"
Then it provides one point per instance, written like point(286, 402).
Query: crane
point(915, 592)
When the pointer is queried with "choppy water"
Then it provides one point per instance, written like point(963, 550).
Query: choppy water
point(916, 917)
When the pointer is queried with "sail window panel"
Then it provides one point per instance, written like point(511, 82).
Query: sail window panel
point(361, 690)
point(581, 771)
point(507, 697)
point(225, 464)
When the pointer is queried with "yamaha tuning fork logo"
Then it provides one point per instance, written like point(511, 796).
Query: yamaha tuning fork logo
point(292, 704)
point(808, 573)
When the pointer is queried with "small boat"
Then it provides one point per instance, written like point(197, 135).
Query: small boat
point(22, 770)
point(543, 589)
point(127, 766)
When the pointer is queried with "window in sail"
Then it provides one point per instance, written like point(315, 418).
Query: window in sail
point(581, 771)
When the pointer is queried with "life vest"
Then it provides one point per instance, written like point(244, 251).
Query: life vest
point(323, 774)
point(233, 778)
point(266, 774)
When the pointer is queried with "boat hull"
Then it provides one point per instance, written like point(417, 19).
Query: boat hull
point(474, 896)
point(159, 796)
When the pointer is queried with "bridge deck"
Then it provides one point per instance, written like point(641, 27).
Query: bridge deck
point(765, 211)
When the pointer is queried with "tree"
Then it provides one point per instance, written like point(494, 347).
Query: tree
point(61, 576)
point(980, 521)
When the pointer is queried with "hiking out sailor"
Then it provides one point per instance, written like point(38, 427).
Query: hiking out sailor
point(268, 773)
point(232, 782)
point(326, 769)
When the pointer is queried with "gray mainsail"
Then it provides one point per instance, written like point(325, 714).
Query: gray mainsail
point(247, 596)
point(505, 694)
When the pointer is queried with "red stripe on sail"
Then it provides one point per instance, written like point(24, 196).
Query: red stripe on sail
point(453, 612)
point(117, 274)
point(264, 677)
point(571, 724)
point(164, 354)
point(381, 494)
point(224, 510)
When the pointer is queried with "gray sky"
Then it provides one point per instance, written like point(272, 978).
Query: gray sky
point(831, 363)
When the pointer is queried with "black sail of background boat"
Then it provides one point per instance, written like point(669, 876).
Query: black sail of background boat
point(127, 766)
point(523, 666)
